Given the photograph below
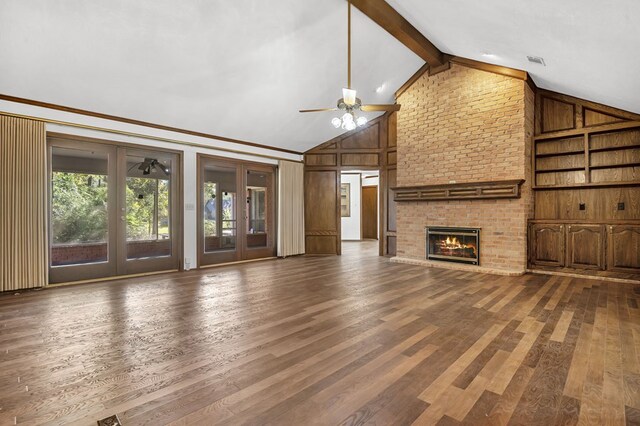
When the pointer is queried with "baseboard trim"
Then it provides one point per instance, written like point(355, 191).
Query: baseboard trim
point(237, 262)
point(112, 278)
point(589, 277)
point(459, 267)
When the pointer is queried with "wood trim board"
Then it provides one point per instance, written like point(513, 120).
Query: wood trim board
point(139, 123)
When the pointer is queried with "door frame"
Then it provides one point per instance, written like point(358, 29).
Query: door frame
point(72, 273)
point(382, 217)
point(85, 271)
point(250, 253)
point(128, 266)
point(241, 251)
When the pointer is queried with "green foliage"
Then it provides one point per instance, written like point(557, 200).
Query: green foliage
point(79, 208)
point(140, 211)
point(210, 227)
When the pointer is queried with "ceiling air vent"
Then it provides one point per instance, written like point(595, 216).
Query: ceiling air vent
point(536, 60)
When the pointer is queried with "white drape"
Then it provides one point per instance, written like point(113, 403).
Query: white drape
point(290, 208)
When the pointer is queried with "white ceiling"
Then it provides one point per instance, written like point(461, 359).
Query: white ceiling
point(235, 68)
point(242, 68)
point(591, 47)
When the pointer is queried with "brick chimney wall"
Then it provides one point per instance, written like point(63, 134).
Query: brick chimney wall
point(467, 125)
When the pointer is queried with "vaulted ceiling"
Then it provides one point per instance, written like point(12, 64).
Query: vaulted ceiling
point(242, 69)
point(234, 68)
point(590, 47)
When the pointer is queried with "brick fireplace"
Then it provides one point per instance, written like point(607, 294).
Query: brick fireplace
point(453, 244)
point(465, 125)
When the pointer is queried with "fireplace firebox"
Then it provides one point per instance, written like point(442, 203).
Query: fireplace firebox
point(461, 245)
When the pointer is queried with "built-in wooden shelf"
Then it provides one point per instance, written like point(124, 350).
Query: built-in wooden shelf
point(560, 169)
point(617, 147)
point(586, 185)
point(459, 191)
point(587, 222)
point(614, 166)
point(555, 154)
point(614, 148)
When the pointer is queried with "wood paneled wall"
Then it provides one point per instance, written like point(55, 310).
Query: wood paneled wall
point(586, 176)
point(585, 154)
point(370, 148)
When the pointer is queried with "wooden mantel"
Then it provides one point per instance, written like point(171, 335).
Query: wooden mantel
point(459, 191)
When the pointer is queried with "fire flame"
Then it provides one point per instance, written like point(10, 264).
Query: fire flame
point(452, 243)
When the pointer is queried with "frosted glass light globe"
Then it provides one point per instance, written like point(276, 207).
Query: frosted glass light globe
point(361, 121)
point(336, 122)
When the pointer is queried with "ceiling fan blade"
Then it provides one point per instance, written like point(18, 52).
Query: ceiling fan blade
point(381, 107)
point(318, 110)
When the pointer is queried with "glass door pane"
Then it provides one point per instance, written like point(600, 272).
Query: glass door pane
point(257, 208)
point(219, 214)
point(236, 219)
point(148, 207)
point(79, 207)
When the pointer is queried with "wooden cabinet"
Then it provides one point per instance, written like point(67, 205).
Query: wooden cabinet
point(547, 244)
point(623, 248)
point(585, 246)
point(610, 249)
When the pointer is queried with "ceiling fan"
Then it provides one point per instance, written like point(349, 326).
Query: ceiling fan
point(349, 103)
point(151, 165)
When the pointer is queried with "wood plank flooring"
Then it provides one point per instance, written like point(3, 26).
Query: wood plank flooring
point(344, 340)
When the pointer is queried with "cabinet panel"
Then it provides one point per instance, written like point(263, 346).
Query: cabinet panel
point(585, 246)
point(547, 244)
point(623, 248)
point(321, 211)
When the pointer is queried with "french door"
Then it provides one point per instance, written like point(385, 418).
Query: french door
point(236, 219)
point(113, 210)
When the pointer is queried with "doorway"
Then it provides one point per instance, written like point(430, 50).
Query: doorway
point(237, 211)
point(359, 200)
point(113, 210)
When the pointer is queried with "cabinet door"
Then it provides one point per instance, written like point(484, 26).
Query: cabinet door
point(547, 244)
point(585, 246)
point(623, 248)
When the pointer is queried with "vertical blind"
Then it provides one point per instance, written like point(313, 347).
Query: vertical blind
point(290, 208)
point(23, 201)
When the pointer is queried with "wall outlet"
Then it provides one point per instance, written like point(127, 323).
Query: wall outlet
point(187, 263)
point(582, 206)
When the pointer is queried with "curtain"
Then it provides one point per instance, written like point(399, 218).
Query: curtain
point(23, 204)
point(290, 208)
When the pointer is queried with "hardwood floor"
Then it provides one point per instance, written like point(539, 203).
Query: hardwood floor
point(323, 340)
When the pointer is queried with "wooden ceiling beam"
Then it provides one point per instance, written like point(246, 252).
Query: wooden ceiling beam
point(388, 18)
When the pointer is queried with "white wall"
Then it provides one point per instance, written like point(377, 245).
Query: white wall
point(369, 181)
point(351, 225)
point(67, 123)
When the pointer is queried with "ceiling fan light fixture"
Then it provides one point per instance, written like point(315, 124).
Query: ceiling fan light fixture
point(349, 96)
point(349, 102)
point(348, 125)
